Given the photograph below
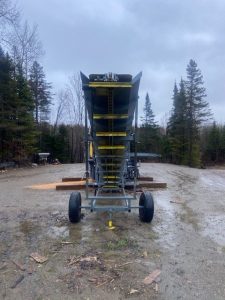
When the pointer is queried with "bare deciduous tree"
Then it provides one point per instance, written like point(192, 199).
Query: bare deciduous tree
point(8, 11)
point(75, 101)
point(74, 106)
point(61, 103)
point(18, 38)
point(9, 15)
point(164, 121)
point(25, 46)
point(69, 109)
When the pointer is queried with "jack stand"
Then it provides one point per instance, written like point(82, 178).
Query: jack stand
point(110, 223)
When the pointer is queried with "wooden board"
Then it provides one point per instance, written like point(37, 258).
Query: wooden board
point(81, 185)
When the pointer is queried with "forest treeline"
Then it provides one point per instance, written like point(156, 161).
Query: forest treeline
point(189, 137)
point(25, 106)
point(27, 99)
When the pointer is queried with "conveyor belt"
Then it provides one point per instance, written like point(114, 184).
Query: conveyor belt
point(111, 106)
point(111, 103)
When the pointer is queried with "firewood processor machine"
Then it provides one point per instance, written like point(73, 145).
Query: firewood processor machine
point(111, 113)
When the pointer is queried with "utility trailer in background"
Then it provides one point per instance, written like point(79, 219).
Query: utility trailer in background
point(111, 105)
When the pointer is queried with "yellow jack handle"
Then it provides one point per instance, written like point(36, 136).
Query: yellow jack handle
point(110, 224)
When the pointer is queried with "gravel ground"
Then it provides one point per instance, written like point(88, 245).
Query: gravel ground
point(185, 241)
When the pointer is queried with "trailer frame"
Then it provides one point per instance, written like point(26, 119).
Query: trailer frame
point(105, 187)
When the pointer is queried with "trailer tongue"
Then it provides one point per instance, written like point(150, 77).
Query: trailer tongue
point(111, 105)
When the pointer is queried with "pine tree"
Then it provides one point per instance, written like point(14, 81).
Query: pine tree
point(16, 113)
point(26, 132)
point(214, 143)
point(148, 119)
point(148, 132)
point(197, 110)
point(177, 125)
point(41, 91)
point(222, 144)
point(7, 105)
point(173, 116)
point(190, 110)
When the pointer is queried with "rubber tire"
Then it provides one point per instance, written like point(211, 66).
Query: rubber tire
point(74, 210)
point(146, 213)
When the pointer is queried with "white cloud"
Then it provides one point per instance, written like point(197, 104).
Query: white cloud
point(199, 37)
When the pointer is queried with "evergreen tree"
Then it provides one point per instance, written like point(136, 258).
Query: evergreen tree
point(197, 110)
point(41, 91)
point(26, 132)
point(16, 113)
point(213, 144)
point(148, 119)
point(7, 105)
point(177, 125)
point(190, 110)
point(222, 144)
point(149, 131)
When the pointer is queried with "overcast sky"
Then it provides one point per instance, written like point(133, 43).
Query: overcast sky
point(157, 37)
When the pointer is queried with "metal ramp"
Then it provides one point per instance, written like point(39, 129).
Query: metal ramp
point(111, 103)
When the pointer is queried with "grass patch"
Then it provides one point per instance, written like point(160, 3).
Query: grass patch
point(153, 235)
point(121, 244)
point(189, 216)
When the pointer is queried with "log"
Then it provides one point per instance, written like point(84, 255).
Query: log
point(68, 179)
point(144, 178)
point(79, 185)
point(153, 185)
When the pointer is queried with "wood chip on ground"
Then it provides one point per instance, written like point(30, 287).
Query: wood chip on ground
point(38, 258)
point(151, 277)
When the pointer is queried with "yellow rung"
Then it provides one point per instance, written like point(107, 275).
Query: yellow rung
point(111, 134)
point(110, 177)
point(118, 147)
point(108, 84)
point(109, 116)
point(110, 186)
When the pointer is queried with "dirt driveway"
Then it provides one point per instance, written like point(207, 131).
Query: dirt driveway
point(185, 242)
